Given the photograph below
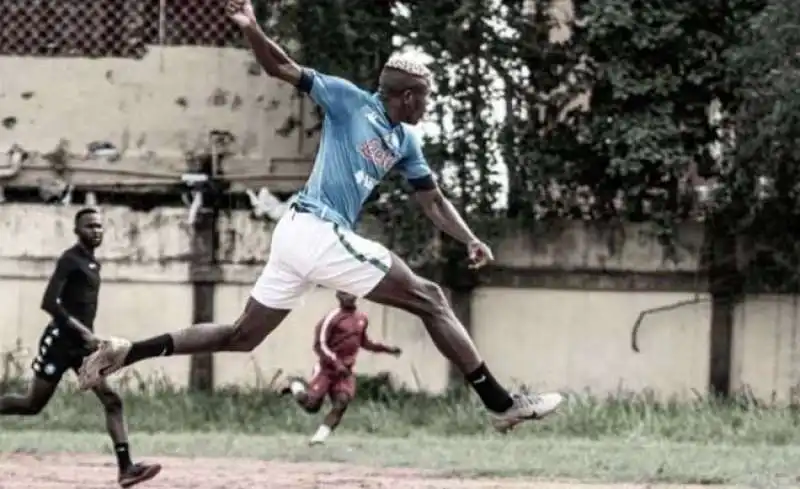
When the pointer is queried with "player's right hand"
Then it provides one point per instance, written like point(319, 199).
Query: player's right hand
point(92, 343)
point(241, 12)
point(341, 369)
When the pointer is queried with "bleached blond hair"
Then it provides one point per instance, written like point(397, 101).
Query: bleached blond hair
point(406, 64)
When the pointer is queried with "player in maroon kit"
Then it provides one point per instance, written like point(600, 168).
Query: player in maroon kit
point(337, 339)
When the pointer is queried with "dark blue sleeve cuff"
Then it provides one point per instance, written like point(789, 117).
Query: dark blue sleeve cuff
point(422, 184)
point(306, 81)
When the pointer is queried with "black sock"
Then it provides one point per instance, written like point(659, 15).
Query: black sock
point(123, 455)
point(493, 395)
point(160, 346)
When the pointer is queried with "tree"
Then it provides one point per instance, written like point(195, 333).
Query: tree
point(759, 194)
point(657, 69)
point(544, 81)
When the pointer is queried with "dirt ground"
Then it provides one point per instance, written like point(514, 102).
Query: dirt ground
point(27, 471)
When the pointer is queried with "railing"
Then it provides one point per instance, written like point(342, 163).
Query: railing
point(110, 28)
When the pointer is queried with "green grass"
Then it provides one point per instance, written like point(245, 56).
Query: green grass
point(596, 460)
point(621, 438)
point(156, 407)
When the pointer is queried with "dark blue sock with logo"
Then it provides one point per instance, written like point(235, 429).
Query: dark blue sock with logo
point(493, 395)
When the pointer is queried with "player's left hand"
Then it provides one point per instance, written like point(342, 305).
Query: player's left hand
point(480, 254)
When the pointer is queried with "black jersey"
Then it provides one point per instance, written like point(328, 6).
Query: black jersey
point(73, 288)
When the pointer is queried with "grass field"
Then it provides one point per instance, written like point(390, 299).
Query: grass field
point(397, 440)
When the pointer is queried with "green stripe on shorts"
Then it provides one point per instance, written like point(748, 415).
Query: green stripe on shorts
point(357, 254)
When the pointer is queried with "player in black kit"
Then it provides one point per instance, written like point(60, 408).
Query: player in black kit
point(71, 300)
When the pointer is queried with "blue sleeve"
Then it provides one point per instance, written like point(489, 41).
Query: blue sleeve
point(414, 167)
point(335, 95)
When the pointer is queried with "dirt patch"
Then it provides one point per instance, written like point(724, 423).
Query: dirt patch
point(26, 471)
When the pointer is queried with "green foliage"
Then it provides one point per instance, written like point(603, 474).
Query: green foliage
point(543, 79)
point(655, 71)
point(759, 196)
point(156, 406)
point(507, 111)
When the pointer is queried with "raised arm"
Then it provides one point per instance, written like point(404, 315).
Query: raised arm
point(336, 96)
point(270, 56)
point(51, 301)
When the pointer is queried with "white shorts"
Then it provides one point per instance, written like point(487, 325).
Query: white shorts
point(307, 251)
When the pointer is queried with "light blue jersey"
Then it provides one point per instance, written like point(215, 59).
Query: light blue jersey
point(358, 147)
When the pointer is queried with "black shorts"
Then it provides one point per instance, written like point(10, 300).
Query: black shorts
point(57, 353)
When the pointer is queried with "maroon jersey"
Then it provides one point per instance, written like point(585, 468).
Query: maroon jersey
point(339, 336)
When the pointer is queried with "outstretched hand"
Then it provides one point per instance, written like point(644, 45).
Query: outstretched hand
point(241, 12)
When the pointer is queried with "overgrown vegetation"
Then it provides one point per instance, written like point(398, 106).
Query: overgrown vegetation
point(608, 110)
point(759, 195)
point(156, 406)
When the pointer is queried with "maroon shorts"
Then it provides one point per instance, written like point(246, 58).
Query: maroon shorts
point(325, 382)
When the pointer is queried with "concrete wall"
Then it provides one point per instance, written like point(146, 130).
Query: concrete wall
point(570, 333)
point(145, 274)
point(155, 110)
point(766, 349)
point(580, 340)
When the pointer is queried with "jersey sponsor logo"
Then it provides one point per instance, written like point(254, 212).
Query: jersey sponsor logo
point(380, 152)
point(365, 180)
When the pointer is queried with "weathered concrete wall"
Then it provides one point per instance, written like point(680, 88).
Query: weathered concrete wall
point(575, 334)
point(156, 108)
point(571, 338)
point(144, 268)
point(580, 340)
point(766, 349)
point(600, 247)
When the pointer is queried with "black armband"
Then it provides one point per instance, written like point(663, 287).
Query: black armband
point(306, 81)
point(422, 184)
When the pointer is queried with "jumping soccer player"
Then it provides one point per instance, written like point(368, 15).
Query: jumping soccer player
point(337, 339)
point(71, 300)
point(364, 136)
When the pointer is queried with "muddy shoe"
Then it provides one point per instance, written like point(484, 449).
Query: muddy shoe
point(137, 473)
point(107, 359)
point(527, 407)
